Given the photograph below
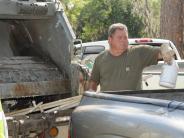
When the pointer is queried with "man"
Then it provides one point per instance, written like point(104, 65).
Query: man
point(120, 68)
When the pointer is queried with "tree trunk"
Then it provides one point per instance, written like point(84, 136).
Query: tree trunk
point(172, 23)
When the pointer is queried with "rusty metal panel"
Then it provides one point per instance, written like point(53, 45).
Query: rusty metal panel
point(13, 90)
point(29, 76)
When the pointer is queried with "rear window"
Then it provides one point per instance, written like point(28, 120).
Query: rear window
point(151, 44)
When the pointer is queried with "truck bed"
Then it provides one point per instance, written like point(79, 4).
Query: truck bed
point(165, 94)
point(102, 115)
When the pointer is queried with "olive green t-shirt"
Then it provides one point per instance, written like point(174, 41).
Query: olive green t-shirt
point(123, 72)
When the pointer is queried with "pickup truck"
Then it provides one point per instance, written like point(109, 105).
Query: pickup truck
point(87, 52)
point(104, 115)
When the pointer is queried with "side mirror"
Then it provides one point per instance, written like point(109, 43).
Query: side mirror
point(78, 48)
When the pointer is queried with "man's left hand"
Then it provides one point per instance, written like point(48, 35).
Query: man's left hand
point(167, 53)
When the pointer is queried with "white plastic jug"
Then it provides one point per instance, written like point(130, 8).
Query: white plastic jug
point(169, 74)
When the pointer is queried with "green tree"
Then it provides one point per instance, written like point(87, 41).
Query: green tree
point(73, 9)
point(97, 15)
point(90, 19)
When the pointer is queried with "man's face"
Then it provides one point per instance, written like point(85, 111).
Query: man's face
point(119, 40)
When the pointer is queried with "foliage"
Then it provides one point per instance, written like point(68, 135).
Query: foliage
point(73, 9)
point(149, 10)
point(97, 15)
point(90, 19)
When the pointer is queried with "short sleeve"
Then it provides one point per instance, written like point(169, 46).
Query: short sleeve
point(95, 75)
point(149, 55)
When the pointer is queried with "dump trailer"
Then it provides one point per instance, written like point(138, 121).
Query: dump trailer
point(35, 58)
point(36, 81)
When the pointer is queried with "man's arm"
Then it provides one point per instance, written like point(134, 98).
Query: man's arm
point(159, 56)
point(92, 85)
point(95, 76)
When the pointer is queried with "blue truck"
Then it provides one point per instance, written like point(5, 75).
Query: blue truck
point(129, 114)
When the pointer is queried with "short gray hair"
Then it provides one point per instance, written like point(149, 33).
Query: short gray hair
point(115, 27)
